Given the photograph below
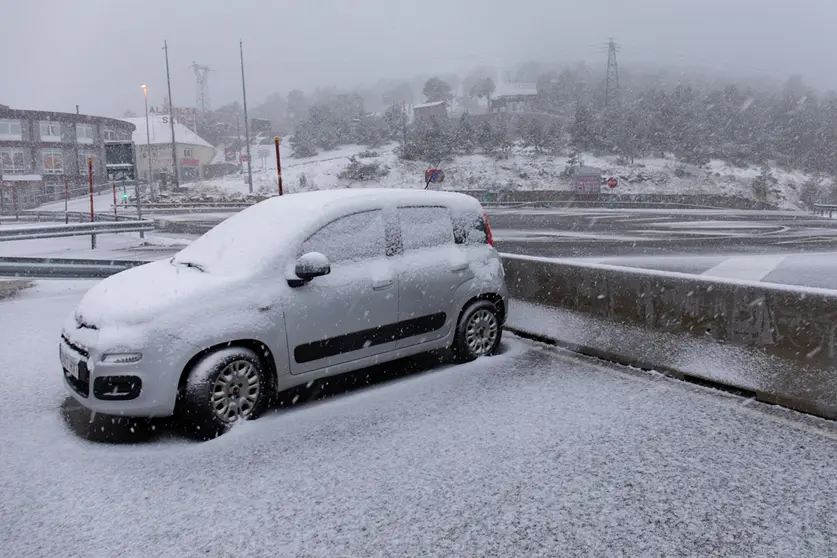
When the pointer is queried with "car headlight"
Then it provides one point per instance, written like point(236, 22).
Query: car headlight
point(121, 358)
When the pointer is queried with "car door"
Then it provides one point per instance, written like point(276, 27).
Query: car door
point(350, 313)
point(430, 270)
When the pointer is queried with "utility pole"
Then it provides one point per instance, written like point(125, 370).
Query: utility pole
point(612, 81)
point(246, 123)
point(238, 150)
point(171, 120)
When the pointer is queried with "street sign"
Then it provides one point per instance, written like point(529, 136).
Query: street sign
point(612, 182)
point(244, 158)
point(432, 176)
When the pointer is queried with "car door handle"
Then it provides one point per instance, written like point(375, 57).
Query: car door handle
point(460, 267)
point(382, 284)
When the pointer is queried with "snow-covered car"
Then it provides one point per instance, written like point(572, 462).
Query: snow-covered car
point(292, 289)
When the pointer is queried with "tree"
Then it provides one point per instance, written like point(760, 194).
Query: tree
point(296, 109)
point(302, 143)
point(810, 192)
point(484, 88)
point(437, 90)
point(573, 163)
point(583, 132)
point(763, 182)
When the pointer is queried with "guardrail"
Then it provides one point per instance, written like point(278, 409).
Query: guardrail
point(56, 231)
point(823, 208)
point(57, 216)
point(58, 268)
point(777, 342)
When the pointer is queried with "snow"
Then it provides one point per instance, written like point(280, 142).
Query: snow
point(523, 169)
point(160, 132)
point(108, 246)
point(532, 453)
point(263, 233)
point(428, 105)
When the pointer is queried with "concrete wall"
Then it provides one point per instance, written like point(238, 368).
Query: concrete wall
point(794, 326)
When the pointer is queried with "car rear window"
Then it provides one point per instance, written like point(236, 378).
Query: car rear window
point(469, 228)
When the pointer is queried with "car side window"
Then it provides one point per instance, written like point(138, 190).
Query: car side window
point(425, 227)
point(355, 237)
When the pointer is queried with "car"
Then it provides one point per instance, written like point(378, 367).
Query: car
point(290, 290)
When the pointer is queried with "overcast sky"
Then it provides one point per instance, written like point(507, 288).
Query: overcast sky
point(96, 53)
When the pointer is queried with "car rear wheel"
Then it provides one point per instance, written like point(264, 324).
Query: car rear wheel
point(225, 387)
point(478, 332)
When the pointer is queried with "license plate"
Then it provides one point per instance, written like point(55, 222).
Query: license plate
point(69, 361)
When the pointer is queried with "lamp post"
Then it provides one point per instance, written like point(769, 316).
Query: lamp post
point(148, 154)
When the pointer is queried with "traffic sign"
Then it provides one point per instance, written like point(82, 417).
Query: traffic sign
point(612, 182)
point(432, 176)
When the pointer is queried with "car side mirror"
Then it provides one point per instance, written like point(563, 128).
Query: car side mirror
point(309, 266)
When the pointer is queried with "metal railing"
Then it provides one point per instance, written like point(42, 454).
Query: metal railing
point(75, 229)
point(823, 208)
point(58, 268)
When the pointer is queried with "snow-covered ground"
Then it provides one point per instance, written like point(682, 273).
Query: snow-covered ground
point(531, 453)
point(108, 246)
point(522, 170)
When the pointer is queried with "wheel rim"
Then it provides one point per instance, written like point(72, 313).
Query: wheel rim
point(236, 391)
point(481, 332)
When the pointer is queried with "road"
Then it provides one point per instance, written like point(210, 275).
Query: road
point(534, 452)
point(771, 246)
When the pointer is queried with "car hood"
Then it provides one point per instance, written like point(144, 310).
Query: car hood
point(140, 294)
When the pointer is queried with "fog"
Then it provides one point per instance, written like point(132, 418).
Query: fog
point(96, 53)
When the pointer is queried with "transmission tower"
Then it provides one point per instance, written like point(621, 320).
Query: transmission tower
point(202, 101)
point(612, 83)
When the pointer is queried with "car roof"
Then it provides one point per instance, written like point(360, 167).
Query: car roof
point(273, 225)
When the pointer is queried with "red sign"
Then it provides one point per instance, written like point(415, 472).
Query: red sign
point(190, 163)
point(244, 158)
point(432, 176)
point(612, 182)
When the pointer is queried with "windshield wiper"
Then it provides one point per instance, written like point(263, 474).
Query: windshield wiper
point(199, 267)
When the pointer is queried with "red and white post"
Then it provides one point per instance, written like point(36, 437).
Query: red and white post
point(92, 216)
point(278, 164)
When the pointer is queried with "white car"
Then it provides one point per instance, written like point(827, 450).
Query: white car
point(292, 289)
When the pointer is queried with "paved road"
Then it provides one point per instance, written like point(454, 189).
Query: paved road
point(779, 247)
point(531, 453)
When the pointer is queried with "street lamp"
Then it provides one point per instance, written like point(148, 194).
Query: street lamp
point(148, 154)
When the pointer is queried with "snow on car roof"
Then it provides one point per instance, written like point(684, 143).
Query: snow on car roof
point(270, 229)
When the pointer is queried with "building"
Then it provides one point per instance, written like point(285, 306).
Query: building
point(514, 97)
point(428, 112)
point(42, 152)
point(193, 152)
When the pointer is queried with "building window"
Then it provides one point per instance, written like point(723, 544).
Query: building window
point(84, 133)
point(50, 131)
point(82, 162)
point(10, 130)
point(53, 161)
point(187, 152)
point(111, 134)
point(12, 160)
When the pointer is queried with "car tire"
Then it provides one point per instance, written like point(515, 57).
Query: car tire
point(478, 332)
point(223, 388)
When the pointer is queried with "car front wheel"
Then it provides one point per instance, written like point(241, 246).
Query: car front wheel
point(478, 332)
point(223, 388)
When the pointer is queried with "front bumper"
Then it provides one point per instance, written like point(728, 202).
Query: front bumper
point(136, 390)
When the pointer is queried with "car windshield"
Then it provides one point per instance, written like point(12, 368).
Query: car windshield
point(429, 278)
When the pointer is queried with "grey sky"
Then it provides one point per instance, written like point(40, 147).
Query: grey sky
point(96, 53)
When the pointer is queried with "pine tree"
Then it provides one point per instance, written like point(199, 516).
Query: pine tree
point(302, 143)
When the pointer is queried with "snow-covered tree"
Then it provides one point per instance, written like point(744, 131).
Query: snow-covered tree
point(436, 89)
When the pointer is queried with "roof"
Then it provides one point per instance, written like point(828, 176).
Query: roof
point(509, 89)
point(428, 105)
point(64, 117)
point(160, 132)
point(254, 238)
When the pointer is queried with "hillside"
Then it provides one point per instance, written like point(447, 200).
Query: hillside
point(522, 170)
